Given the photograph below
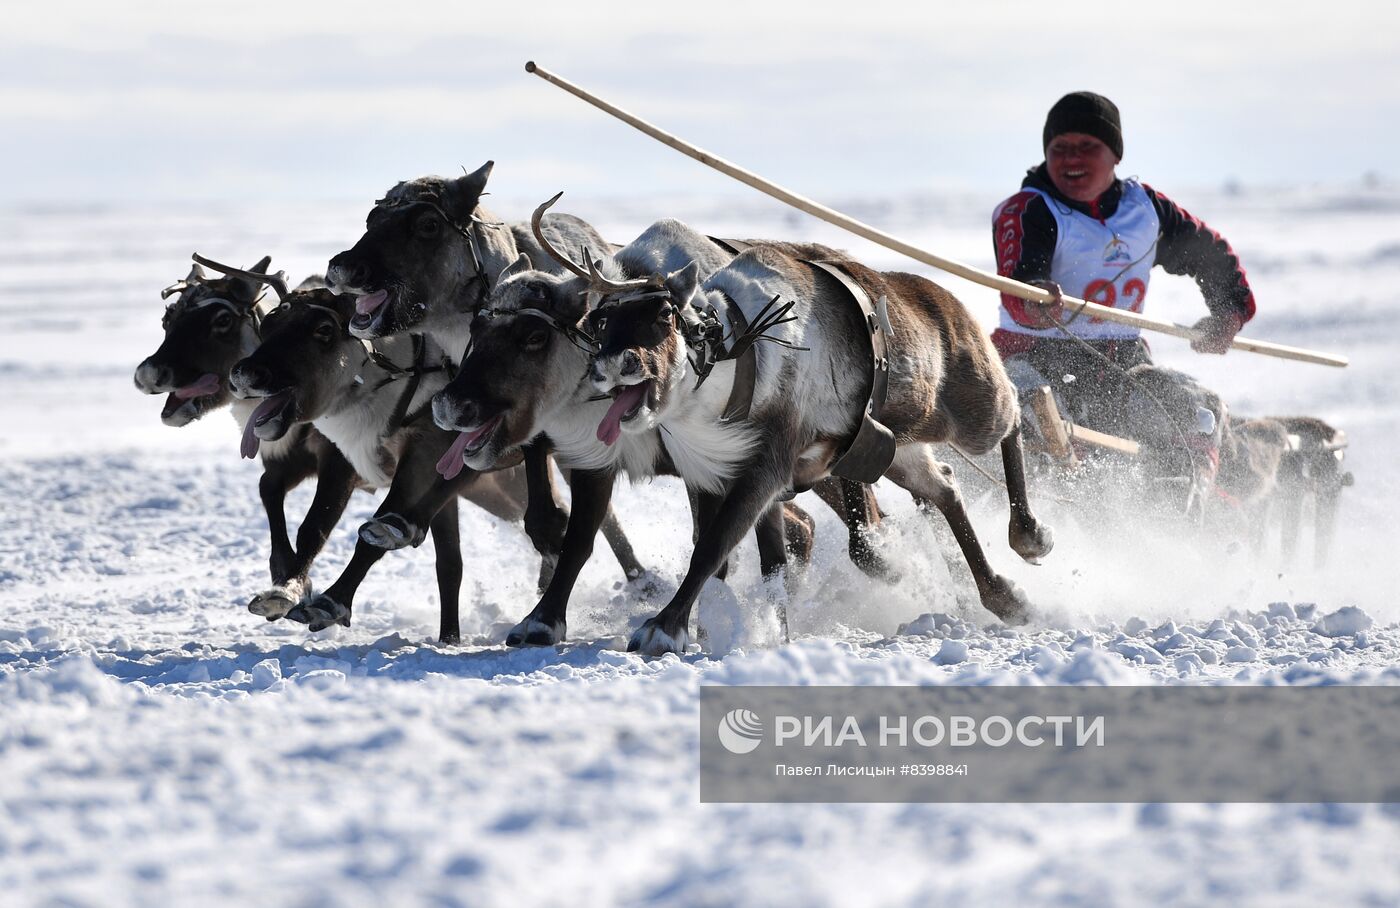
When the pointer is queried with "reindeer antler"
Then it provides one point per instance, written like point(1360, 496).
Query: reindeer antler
point(596, 279)
point(277, 281)
point(555, 254)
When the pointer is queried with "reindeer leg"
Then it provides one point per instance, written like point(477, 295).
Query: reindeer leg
point(415, 497)
point(1290, 521)
point(1029, 538)
point(771, 531)
point(272, 489)
point(799, 534)
point(1325, 520)
point(749, 495)
point(418, 493)
point(335, 482)
point(931, 482)
point(616, 538)
point(703, 508)
point(546, 519)
point(621, 546)
point(547, 622)
point(856, 505)
point(447, 549)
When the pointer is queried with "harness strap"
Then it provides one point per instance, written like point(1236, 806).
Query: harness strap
point(745, 367)
point(411, 388)
point(869, 454)
point(733, 247)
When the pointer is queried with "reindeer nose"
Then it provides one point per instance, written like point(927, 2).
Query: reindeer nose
point(631, 363)
point(246, 376)
point(344, 271)
point(452, 414)
point(151, 377)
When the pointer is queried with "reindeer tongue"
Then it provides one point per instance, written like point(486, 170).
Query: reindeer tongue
point(367, 304)
point(207, 384)
point(249, 447)
point(610, 429)
point(269, 406)
point(451, 463)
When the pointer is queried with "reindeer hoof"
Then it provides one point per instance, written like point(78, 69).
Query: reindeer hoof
point(646, 586)
point(275, 603)
point(390, 532)
point(871, 563)
point(1032, 541)
point(532, 632)
point(1005, 600)
point(651, 640)
point(320, 613)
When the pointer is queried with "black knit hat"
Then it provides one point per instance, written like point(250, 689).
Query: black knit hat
point(1083, 111)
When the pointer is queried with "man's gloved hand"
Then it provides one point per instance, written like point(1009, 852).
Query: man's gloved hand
point(1045, 315)
point(1215, 332)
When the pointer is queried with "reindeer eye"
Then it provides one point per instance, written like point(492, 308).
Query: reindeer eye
point(223, 321)
point(664, 316)
point(536, 339)
point(325, 332)
point(428, 226)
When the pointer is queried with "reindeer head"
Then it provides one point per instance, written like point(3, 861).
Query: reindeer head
point(419, 261)
point(208, 328)
point(641, 358)
point(527, 358)
point(306, 364)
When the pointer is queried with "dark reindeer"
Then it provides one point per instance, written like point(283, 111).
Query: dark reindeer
point(425, 264)
point(371, 402)
point(945, 384)
point(212, 324)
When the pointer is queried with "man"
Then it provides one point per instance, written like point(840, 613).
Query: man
point(1075, 225)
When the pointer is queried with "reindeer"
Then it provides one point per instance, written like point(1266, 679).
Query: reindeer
point(213, 323)
point(1273, 466)
point(947, 384)
point(1312, 468)
point(424, 264)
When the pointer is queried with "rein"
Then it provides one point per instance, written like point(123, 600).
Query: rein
point(575, 335)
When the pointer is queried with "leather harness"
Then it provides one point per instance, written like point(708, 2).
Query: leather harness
point(868, 454)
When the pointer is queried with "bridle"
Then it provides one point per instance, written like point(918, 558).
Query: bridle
point(430, 198)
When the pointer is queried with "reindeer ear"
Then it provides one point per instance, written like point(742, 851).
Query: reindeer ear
point(244, 290)
point(519, 266)
point(462, 194)
point(684, 283)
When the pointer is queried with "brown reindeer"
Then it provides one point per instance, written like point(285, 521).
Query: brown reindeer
point(211, 324)
point(811, 390)
point(813, 386)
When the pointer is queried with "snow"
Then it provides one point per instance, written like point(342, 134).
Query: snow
point(160, 745)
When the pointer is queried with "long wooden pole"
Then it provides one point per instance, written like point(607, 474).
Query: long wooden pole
point(987, 279)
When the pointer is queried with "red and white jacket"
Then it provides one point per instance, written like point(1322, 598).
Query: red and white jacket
point(1104, 252)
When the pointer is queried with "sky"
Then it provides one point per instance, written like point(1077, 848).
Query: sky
point(192, 101)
